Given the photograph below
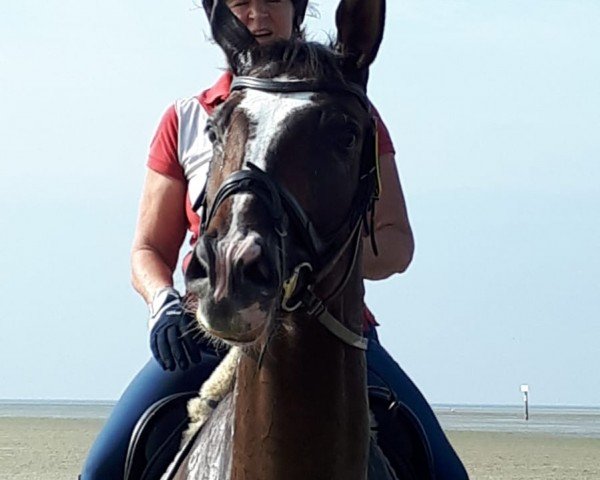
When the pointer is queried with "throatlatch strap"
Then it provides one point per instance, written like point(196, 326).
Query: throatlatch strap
point(316, 308)
point(347, 336)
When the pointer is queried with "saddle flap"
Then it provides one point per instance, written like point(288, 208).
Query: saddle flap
point(400, 436)
point(156, 437)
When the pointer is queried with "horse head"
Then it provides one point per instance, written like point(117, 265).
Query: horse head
point(292, 173)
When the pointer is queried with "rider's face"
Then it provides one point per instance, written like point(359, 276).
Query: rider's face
point(267, 20)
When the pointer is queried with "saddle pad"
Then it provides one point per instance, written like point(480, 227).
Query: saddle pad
point(207, 455)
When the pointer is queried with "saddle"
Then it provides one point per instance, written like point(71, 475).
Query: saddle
point(399, 450)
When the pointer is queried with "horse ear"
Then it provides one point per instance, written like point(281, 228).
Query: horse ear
point(359, 32)
point(228, 31)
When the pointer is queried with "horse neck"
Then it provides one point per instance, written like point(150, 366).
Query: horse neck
point(303, 414)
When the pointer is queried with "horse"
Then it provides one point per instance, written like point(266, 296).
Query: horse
point(277, 271)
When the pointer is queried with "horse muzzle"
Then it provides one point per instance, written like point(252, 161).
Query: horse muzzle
point(237, 283)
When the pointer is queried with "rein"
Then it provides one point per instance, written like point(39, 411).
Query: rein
point(299, 283)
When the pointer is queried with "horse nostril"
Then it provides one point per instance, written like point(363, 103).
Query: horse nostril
point(257, 272)
point(198, 267)
point(196, 270)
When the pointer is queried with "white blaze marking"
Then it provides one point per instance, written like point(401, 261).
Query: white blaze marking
point(234, 242)
point(268, 111)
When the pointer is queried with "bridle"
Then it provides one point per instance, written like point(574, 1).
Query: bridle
point(299, 281)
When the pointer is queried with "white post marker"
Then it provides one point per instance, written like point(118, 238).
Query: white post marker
point(525, 391)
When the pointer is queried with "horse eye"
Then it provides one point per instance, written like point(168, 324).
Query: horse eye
point(347, 140)
point(211, 132)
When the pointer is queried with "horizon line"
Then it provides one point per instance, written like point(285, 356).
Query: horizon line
point(111, 402)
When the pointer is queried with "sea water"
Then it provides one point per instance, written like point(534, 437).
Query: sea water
point(552, 420)
point(55, 409)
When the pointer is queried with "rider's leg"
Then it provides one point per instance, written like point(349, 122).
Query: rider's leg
point(106, 458)
point(382, 366)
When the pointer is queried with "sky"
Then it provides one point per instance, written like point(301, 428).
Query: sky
point(494, 110)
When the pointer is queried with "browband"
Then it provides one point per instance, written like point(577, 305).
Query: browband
point(293, 86)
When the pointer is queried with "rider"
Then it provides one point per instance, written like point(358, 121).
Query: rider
point(177, 165)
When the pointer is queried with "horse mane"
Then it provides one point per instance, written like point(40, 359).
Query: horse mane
point(294, 58)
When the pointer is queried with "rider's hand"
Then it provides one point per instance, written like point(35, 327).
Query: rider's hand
point(172, 331)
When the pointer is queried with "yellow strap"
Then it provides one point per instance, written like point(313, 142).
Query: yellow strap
point(377, 162)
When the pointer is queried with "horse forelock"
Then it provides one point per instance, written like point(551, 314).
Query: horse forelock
point(294, 59)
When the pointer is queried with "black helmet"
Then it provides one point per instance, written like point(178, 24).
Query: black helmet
point(299, 10)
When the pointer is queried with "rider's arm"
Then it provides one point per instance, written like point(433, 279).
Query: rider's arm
point(392, 229)
point(159, 233)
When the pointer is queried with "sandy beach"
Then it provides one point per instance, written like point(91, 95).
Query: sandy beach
point(44, 448)
point(508, 456)
point(53, 449)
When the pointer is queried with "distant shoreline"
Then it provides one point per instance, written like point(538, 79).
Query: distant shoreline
point(565, 421)
point(437, 406)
